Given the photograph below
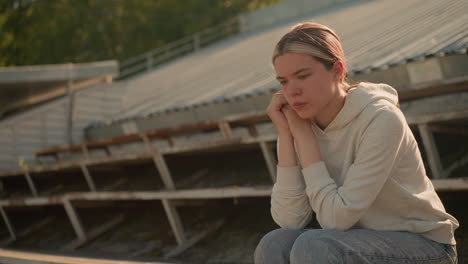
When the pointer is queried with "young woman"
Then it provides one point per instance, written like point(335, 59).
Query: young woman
point(346, 153)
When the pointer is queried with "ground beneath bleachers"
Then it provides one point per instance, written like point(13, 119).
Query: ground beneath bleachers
point(143, 236)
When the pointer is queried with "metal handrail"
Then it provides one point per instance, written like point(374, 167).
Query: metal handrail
point(152, 58)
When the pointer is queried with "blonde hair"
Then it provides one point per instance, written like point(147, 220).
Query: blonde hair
point(314, 40)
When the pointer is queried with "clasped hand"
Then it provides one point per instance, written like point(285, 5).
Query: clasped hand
point(285, 118)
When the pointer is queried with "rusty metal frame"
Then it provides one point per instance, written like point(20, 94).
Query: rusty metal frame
point(74, 220)
point(87, 176)
point(30, 182)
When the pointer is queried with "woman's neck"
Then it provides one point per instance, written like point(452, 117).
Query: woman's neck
point(325, 117)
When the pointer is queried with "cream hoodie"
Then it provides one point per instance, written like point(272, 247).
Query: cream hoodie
point(372, 175)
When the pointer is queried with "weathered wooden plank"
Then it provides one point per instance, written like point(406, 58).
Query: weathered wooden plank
point(450, 184)
point(56, 166)
point(264, 138)
point(449, 129)
point(202, 146)
point(190, 147)
point(208, 193)
point(182, 129)
point(156, 133)
point(246, 119)
point(36, 201)
point(437, 117)
point(19, 257)
point(432, 91)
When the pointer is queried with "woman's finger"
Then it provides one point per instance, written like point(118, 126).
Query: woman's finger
point(279, 100)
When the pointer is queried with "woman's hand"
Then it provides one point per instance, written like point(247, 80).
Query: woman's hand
point(299, 127)
point(304, 136)
point(274, 111)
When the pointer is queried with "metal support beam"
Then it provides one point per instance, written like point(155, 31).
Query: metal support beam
point(31, 185)
point(57, 157)
point(160, 163)
point(225, 129)
point(8, 224)
point(170, 141)
point(107, 149)
point(269, 159)
point(431, 151)
point(174, 221)
point(85, 150)
point(253, 130)
point(88, 178)
point(74, 219)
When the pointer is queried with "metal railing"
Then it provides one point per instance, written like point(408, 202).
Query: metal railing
point(150, 59)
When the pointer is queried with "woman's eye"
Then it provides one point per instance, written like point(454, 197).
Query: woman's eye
point(282, 82)
point(303, 76)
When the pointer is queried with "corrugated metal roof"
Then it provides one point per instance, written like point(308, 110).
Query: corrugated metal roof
point(375, 35)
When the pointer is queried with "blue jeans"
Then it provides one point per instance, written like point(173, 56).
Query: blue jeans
point(300, 246)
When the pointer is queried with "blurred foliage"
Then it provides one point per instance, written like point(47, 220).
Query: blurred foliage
point(58, 31)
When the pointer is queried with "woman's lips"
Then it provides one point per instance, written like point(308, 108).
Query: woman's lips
point(299, 105)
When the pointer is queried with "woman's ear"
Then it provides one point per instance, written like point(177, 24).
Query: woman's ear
point(338, 69)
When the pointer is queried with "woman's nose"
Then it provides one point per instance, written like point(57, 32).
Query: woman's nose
point(293, 89)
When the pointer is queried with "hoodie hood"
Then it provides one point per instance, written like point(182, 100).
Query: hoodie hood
point(358, 98)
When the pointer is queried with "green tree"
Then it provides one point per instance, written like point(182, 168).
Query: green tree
point(59, 31)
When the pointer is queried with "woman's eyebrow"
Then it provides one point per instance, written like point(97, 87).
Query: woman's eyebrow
point(296, 72)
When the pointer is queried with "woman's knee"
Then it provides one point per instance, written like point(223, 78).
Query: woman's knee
point(276, 245)
point(316, 246)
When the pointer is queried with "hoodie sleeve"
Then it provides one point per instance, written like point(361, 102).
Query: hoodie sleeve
point(376, 156)
point(290, 206)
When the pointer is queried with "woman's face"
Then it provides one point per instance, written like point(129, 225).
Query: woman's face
point(305, 82)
